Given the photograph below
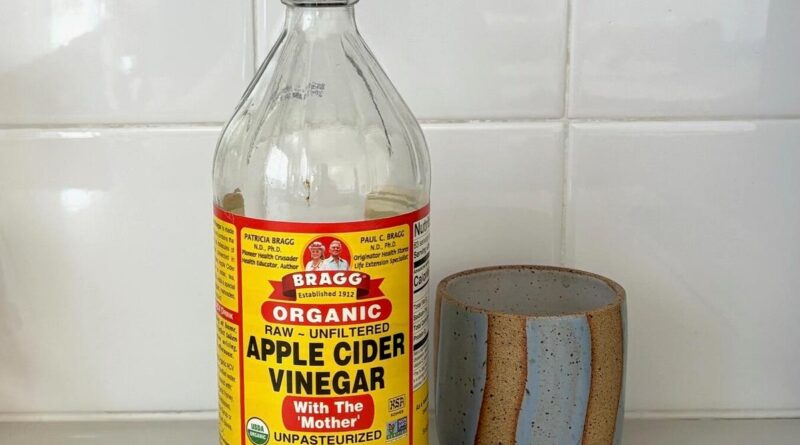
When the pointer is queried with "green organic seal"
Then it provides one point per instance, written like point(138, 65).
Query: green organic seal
point(257, 431)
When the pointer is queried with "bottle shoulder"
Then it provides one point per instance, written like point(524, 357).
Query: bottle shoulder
point(322, 135)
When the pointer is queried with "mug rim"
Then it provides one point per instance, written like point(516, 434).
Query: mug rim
point(619, 292)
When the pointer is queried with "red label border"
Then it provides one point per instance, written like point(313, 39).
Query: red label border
point(338, 227)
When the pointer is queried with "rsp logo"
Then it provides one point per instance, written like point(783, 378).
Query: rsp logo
point(397, 403)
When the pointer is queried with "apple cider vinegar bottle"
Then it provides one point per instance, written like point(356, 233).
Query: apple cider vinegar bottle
point(321, 219)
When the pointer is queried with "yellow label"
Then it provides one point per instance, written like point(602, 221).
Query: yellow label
point(322, 331)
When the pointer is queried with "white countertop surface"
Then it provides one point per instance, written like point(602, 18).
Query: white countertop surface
point(203, 432)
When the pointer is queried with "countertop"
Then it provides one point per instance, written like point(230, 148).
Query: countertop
point(203, 432)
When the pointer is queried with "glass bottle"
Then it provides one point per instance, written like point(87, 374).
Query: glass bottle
point(323, 156)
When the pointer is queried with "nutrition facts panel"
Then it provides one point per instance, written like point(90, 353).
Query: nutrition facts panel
point(421, 283)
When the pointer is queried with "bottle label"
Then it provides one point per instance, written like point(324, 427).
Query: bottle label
point(322, 330)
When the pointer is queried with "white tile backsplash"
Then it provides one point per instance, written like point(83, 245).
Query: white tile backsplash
point(699, 221)
point(685, 58)
point(455, 59)
point(105, 223)
point(106, 277)
point(480, 217)
point(115, 61)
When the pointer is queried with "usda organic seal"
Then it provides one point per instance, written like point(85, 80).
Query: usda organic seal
point(257, 431)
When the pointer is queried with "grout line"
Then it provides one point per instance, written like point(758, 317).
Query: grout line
point(489, 121)
point(567, 121)
point(566, 171)
point(567, 62)
point(254, 23)
point(566, 193)
point(584, 120)
point(105, 126)
point(711, 118)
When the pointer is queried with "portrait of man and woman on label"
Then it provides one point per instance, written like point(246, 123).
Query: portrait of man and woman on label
point(327, 253)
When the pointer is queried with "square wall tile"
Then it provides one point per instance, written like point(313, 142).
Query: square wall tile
point(685, 58)
point(114, 61)
point(106, 271)
point(496, 195)
point(700, 222)
point(455, 59)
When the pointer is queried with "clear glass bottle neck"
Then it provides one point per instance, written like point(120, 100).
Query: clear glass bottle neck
point(320, 20)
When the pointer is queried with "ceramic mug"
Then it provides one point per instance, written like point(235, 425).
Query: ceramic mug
point(530, 355)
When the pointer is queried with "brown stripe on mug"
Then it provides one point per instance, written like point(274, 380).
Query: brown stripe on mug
point(506, 376)
point(606, 328)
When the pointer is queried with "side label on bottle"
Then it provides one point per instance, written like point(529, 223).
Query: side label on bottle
point(322, 330)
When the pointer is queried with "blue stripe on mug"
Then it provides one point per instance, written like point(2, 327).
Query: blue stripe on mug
point(557, 393)
point(464, 332)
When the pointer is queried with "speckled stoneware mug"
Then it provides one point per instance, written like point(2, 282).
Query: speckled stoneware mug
point(530, 355)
